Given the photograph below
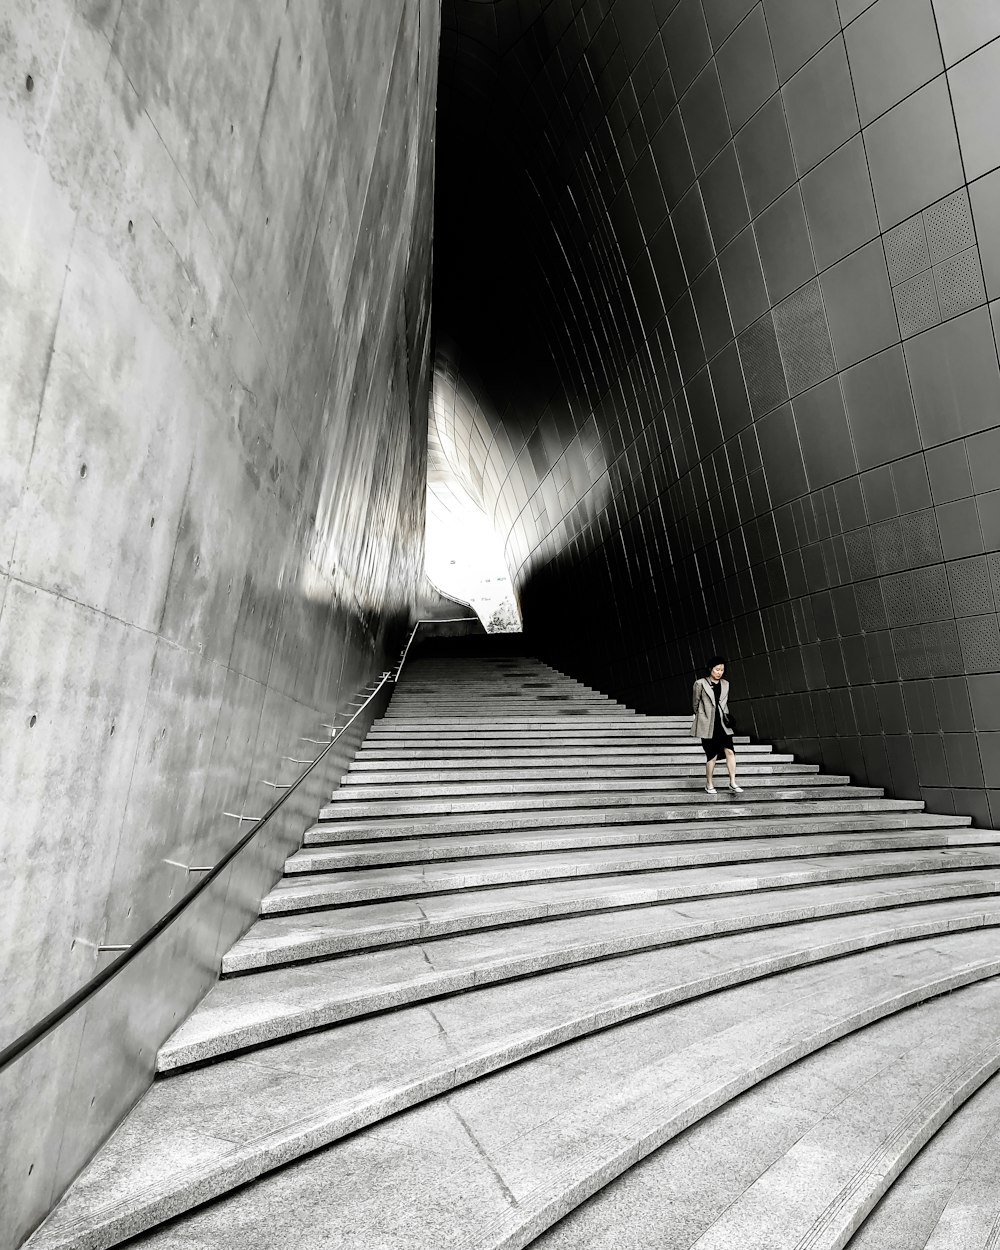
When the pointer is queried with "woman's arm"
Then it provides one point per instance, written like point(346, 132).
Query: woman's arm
point(696, 696)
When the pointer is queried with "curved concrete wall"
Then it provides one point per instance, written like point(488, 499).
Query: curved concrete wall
point(214, 358)
point(758, 242)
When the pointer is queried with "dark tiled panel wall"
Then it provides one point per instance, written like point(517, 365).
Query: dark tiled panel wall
point(771, 238)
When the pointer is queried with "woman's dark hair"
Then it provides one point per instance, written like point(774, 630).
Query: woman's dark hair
point(716, 659)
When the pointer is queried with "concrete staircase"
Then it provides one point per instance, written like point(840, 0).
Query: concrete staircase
point(525, 983)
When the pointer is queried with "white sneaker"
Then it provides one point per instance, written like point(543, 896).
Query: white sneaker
point(711, 790)
point(735, 788)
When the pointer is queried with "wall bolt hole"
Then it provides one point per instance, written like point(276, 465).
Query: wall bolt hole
point(83, 470)
point(29, 85)
point(131, 227)
point(32, 721)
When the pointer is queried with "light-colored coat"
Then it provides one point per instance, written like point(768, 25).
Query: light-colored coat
point(703, 701)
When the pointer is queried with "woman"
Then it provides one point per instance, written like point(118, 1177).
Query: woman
point(711, 722)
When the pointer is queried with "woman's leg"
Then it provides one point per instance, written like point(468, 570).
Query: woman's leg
point(710, 769)
point(731, 765)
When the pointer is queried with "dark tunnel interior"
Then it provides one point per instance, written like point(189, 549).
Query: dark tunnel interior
point(719, 276)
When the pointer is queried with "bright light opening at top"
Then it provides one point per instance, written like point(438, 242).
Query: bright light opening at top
point(465, 558)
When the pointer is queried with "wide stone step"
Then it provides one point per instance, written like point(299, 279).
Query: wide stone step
point(457, 755)
point(274, 942)
point(469, 700)
point(554, 718)
point(311, 935)
point(544, 751)
point(538, 686)
point(309, 891)
point(544, 841)
point(485, 707)
point(366, 791)
point(418, 685)
point(526, 737)
point(608, 727)
point(513, 1154)
point(367, 926)
point(800, 1158)
point(513, 715)
point(527, 804)
point(539, 689)
point(260, 1007)
point(484, 701)
point(719, 807)
point(949, 1196)
point(543, 722)
point(406, 879)
point(553, 743)
point(521, 678)
point(367, 771)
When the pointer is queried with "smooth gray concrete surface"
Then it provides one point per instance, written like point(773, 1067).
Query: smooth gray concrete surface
point(215, 232)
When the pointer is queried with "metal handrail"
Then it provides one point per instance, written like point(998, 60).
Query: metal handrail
point(32, 1036)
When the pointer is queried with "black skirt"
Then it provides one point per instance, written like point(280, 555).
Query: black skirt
point(720, 741)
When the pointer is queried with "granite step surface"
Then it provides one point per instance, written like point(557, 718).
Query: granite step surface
point(500, 1159)
point(449, 733)
point(590, 726)
point(554, 710)
point(948, 1198)
point(718, 807)
point(247, 1011)
point(546, 841)
point(521, 952)
point(794, 1142)
point(548, 749)
point(537, 726)
point(368, 791)
point(351, 809)
point(391, 772)
point(368, 926)
point(583, 889)
point(478, 870)
point(552, 755)
point(580, 832)
point(485, 709)
point(309, 935)
point(549, 703)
